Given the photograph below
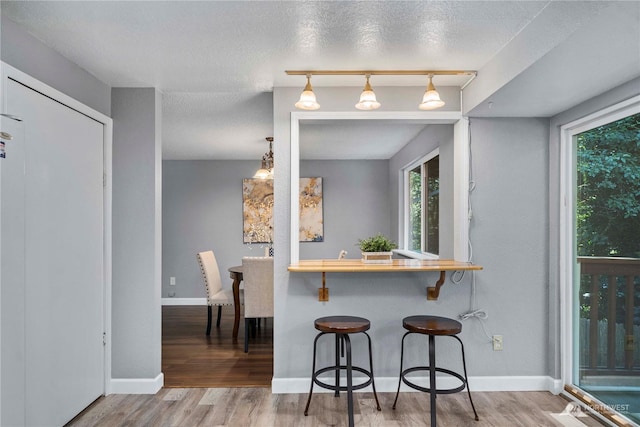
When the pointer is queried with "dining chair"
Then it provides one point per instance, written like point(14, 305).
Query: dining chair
point(258, 291)
point(216, 296)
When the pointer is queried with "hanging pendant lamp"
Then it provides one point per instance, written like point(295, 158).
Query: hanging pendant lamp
point(431, 99)
point(307, 99)
point(368, 99)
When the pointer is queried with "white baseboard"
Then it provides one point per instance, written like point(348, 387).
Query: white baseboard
point(184, 301)
point(136, 385)
point(390, 384)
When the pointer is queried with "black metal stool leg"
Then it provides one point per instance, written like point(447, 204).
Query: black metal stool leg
point(313, 373)
point(373, 383)
point(400, 376)
point(338, 343)
point(432, 379)
point(347, 342)
point(466, 380)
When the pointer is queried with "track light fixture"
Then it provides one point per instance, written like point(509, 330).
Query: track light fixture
point(430, 101)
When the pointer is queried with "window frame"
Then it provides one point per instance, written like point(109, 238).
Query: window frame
point(460, 168)
point(406, 201)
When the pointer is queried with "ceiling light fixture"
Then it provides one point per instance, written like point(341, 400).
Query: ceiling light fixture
point(368, 99)
point(266, 167)
point(308, 98)
point(430, 101)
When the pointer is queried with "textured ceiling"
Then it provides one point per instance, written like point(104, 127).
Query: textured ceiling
point(216, 62)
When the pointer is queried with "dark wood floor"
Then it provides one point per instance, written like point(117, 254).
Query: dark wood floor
point(191, 359)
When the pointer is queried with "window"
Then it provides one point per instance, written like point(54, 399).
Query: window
point(422, 203)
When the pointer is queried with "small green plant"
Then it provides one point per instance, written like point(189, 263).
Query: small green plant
point(377, 243)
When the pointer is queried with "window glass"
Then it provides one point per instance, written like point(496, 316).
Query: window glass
point(422, 204)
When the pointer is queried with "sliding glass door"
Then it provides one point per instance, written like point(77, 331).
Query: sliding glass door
point(606, 263)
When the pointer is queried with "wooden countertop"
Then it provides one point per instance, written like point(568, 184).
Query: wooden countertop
point(357, 266)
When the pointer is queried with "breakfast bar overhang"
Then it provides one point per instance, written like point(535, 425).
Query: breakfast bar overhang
point(396, 265)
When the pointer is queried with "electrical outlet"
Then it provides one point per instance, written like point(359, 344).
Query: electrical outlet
point(172, 281)
point(497, 343)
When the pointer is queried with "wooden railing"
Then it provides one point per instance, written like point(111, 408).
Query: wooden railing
point(605, 272)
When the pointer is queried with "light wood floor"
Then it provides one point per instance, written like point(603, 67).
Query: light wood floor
point(230, 388)
point(258, 407)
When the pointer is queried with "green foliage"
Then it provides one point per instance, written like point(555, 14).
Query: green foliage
point(608, 196)
point(415, 208)
point(377, 243)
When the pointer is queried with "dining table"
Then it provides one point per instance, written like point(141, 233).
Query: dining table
point(235, 273)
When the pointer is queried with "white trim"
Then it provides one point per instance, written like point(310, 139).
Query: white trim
point(10, 72)
point(184, 301)
point(567, 226)
point(404, 201)
point(461, 164)
point(390, 384)
point(461, 190)
point(137, 385)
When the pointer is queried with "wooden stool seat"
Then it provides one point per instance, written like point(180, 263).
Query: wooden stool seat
point(342, 324)
point(432, 325)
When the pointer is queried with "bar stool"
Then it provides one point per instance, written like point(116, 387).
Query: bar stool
point(342, 326)
point(432, 326)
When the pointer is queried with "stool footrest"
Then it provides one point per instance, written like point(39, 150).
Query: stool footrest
point(341, 388)
point(428, 390)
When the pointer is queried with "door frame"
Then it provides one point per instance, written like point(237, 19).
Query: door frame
point(11, 73)
point(567, 253)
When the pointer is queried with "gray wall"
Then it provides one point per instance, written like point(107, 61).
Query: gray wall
point(356, 204)
point(509, 237)
point(607, 99)
point(510, 208)
point(28, 54)
point(137, 243)
point(202, 210)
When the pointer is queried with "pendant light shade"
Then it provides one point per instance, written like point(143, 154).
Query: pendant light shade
point(266, 167)
point(431, 99)
point(307, 98)
point(368, 99)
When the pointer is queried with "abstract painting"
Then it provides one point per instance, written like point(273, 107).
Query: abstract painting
point(257, 210)
point(311, 213)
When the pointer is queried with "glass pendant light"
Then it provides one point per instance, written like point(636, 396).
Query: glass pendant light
point(431, 99)
point(307, 99)
point(368, 99)
point(266, 167)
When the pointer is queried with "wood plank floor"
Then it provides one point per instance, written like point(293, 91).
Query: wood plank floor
point(210, 381)
point(191, 359)
point(248, 407)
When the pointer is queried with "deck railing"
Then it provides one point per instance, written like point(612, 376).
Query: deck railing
point(616, 281)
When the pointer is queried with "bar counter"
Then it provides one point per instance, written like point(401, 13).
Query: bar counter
point(357, 266)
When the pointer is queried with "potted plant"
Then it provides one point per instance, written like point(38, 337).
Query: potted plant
point(376, 249)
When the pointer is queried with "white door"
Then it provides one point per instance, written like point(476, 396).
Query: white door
point(12, 273)
point(64, 295)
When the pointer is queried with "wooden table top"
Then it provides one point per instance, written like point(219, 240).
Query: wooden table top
point(357, 266)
